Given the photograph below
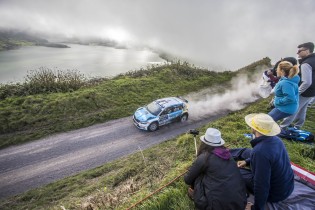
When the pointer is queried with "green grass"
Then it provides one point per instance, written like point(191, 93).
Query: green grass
point(122, 183)
point(30, 117)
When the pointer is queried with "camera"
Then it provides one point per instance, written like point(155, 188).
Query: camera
point(194, 132)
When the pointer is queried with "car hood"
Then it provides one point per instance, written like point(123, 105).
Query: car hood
point(142, 114)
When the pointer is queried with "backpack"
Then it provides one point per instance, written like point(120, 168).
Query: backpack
point(292, 133)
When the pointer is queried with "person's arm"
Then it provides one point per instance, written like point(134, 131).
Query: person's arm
point(195, 170)
point(261, 169)
point(306, 77)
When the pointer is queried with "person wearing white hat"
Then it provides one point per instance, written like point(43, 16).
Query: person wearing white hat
point(215, 180)
point(270, 177)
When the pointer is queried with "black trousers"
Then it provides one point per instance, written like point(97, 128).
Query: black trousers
point(242, 154)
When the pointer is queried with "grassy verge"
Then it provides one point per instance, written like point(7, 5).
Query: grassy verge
point(30, 117)
point(121, 183)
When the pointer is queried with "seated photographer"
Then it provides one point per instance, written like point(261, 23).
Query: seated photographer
point(270, 177)
point(214, 179)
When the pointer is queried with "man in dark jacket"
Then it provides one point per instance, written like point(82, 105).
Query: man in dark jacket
point(270, 177)
point(306, 86)
point(214, 176)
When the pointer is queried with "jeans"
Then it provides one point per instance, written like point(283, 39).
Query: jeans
point(276, 114)
point(300, 115)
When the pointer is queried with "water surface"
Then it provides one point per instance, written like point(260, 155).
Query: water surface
point(92, 61)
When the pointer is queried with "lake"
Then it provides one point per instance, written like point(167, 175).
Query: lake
point(92, 61)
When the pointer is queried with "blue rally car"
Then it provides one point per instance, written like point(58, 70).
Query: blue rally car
point(161, 112)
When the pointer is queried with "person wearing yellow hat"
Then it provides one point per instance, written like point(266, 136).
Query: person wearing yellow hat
point(270, 176)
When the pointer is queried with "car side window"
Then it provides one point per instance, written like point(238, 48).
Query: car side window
point(177, 108)
point(166, 111)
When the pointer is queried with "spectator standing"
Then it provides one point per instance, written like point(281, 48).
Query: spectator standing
point(271, 74)
point(306, 86)
point(286, 99)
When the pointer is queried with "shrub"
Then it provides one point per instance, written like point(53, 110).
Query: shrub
point(45, 80)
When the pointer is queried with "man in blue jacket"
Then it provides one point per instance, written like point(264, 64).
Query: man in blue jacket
point(270, 177)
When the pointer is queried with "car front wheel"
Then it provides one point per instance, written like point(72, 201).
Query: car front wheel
point(184, 118)
point(153, 126)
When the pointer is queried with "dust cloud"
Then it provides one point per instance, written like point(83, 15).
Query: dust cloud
point(242, 90)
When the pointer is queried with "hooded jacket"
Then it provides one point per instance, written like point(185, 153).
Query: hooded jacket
point(217, 176)
point(287, 94)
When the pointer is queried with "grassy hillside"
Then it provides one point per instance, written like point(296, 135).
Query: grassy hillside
point(11, 39)
point(25, 116)
point(121, 183)
point(10, 44)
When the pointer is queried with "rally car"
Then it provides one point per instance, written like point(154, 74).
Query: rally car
point(161, 112)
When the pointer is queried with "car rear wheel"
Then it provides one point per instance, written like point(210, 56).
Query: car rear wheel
point(153, 126)
point(184, 118)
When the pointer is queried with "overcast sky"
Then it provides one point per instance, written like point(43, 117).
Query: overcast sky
point(226, 33)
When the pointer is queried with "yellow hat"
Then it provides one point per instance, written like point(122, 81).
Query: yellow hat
point(263, 123)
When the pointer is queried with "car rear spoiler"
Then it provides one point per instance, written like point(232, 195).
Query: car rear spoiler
point(183, 99)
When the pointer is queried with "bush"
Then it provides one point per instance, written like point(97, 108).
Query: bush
point(45, 80)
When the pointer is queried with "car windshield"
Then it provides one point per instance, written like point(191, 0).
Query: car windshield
point(154, 108)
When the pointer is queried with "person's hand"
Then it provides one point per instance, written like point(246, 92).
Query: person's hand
point(249, 206)
point(191, 193)
point(271, 103)
point(241, 164)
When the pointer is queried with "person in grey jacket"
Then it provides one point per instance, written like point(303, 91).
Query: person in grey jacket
point(214, 177)
point(306, 86)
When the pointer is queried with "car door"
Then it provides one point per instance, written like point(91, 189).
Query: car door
point(176, 111)
point(163, 119)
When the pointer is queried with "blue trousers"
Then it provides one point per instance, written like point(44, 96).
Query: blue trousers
point(276, 114)
point(242, 154)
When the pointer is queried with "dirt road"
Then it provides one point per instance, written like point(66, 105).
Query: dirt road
point(41, 162)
